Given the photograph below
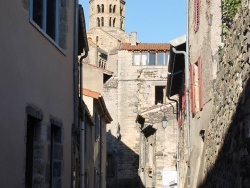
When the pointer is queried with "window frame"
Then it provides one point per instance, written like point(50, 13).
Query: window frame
point(147, 53)
point(43, 28)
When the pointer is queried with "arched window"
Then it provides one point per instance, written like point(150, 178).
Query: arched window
point(114, 22)
point(110, 22)
point(102, 21)
point(102, 8)
point(121, 24)
point(114, 8)
point(121, 10)
point(98, 9)
point(98, 22)
point(110, 8)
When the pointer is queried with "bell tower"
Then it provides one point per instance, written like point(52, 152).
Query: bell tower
point(107, 14)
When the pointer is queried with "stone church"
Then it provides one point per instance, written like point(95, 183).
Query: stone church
point(134, 89)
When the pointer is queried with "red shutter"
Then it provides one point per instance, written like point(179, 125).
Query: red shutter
point(200, 83)
point(196, 15)
point(192, 100)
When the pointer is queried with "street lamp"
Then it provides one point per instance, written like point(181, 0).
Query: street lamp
point(164, 122)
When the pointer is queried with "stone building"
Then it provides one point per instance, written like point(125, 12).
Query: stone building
point(213, 111)
point(134, 77)
point(95, 139)
point(37, 107)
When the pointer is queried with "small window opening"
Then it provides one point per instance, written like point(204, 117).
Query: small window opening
point(159, 94)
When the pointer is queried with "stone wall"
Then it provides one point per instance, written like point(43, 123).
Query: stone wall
point(227, 144)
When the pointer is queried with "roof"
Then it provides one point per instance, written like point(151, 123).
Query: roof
point(176, 66)
point(145, 47)
point(178, 41)
point(90, 93)
point(99, 98)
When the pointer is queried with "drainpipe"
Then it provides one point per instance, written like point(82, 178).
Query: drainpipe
point(187, 87)
point(82, 131)
point(76, 89)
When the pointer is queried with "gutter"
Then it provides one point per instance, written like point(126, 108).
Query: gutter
point(82, 106)
point(82, 130)
point(75, 89)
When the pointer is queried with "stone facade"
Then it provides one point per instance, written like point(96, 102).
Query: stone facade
point(219, 148)
point(227, 145)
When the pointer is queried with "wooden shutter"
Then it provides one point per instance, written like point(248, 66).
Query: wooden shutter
point(192, 99)
point(200, 83)
point(196, 15)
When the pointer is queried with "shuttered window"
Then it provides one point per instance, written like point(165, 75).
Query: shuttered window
point(200, 83)
point(192, 100)
point(196, 15)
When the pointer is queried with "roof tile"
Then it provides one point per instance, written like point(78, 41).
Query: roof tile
point(145, 47)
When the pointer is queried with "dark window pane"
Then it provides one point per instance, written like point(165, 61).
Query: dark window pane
point(38, 12)
point(51, 17)
point(151, 58)
point(159, 94)
point(31, 123)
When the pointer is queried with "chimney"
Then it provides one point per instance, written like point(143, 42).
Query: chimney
point(133, 38)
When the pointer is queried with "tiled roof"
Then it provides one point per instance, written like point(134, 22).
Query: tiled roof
point(145, 47)
point(90, 93)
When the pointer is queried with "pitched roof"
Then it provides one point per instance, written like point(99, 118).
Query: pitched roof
point(145, 47)
point(90, 93)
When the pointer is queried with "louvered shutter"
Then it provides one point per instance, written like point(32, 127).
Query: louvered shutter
point(192, 99)
point(200, 83)
point(196, 15)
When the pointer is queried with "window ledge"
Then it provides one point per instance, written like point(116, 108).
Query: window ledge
point(48, 37)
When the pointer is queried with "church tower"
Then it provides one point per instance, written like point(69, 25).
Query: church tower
point(107, 14)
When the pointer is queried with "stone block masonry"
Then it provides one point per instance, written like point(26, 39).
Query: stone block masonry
point(228, 140)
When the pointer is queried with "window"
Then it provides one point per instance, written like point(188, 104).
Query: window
point(196, 87)
point(110, 22)
point(121, 11)
point(121, 24)
point(102, 8)
point(144, 58)
point(30, 139)
point(114, 22)
point(97, 127)
point(55, 153)
point(196, 15)
point(159, 94)
point(110, 165)
point(152, 60)
point(98, 22)
point(137, 58)
point(98, 9)
point(96, 178)
point(45, 14)
point(114, 9)
point(160, 58)
point(166, 58)
point(110, 8)
point(102, 21)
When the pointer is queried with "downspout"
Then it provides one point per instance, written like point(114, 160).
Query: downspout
point(177, 139)
point(82, 130)
point(75, 89)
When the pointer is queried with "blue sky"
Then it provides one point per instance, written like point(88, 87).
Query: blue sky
point(155, 21)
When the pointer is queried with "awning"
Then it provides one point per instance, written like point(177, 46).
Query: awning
point(176, 66)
